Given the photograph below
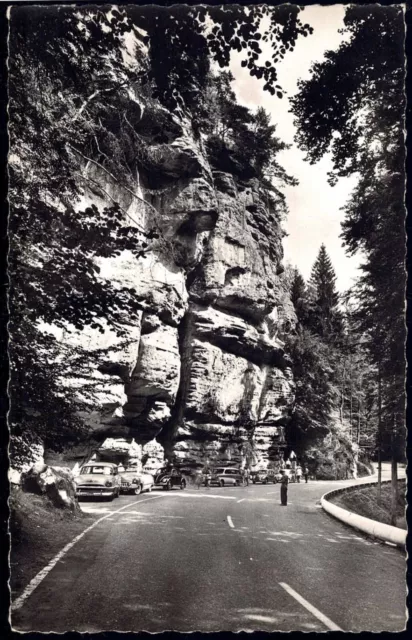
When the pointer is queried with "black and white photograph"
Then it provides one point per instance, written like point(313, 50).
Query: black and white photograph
point(207, 294)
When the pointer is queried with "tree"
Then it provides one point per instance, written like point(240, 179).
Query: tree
point(353, 106)
point(56, 108)
point(299, 297)
point(314, 394)
point(240, 141)
point(325, 316)
point(182, 40)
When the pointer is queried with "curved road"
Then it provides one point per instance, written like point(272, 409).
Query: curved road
point(220, 560)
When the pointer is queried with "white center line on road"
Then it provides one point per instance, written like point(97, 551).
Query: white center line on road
point(230, 521)
point(318, 614)
point(241, 500)
point(33, 584)
point(185, 494)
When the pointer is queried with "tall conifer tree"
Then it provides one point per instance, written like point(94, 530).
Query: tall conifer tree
point(326, 318)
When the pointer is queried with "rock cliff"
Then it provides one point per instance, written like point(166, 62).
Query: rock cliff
point(202, 367)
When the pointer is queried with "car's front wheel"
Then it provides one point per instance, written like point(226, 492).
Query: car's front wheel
point(138, 490)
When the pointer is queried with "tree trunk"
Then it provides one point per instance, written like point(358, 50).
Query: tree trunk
point(394, 489)
point(379, 435)
point(342, 393)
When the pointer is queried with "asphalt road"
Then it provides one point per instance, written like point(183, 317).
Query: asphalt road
point(220, 560)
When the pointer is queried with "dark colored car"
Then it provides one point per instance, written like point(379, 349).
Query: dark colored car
point(169, 478)
point(259, 476)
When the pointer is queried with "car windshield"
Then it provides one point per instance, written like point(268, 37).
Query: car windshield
point(219, 470)
point(107, 471)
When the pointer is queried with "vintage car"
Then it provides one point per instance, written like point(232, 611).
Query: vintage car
point(260, 476)
point(169, 478)
point(98, 479)
point(277, 476)
point(134, 481)
point(227, 476)
point(265, 476)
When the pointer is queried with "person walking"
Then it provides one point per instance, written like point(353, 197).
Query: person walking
point(284, 490)
point(247, 475)
point(298, 472)
point(306, 473)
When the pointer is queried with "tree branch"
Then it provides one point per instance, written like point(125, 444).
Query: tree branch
point(135, 195)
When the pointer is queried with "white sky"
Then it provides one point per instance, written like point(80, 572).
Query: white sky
point(314, 206)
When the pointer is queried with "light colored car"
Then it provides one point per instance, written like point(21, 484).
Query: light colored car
point(133, 481)
point(227, 476)
point(98, 479)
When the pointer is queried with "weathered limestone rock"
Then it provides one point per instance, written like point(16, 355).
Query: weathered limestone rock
point(155, 380)
point(55, 482)
point(219, 382)
point(203, 367)
point(235, 335)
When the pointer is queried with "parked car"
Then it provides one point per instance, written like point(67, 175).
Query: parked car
point(169, 478)
point(277, 477)
point(261, 476)
point(98, 479)
point(266, 475)
point(227, 476)
point(133, 481)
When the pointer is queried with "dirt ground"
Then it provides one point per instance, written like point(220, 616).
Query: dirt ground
point(364, 502)
point(38, 532)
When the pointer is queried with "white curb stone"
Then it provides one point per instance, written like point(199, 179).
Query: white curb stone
point(385, 532)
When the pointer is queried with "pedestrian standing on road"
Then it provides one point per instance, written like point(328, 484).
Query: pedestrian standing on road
point(247, 477)
point(198, 479)
point(298, 472)
point(207, 477)
point(306, 473)
point(284, 490)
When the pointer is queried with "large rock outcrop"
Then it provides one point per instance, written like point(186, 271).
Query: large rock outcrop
point(203, 368)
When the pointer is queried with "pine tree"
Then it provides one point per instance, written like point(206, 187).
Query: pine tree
point(326, 317)
point(298, 295)
point(314, 394)
point(298, 288)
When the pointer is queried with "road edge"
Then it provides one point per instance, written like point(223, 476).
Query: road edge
point(385, 532)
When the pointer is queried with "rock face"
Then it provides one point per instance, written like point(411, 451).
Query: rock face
point(56, 483)
point(204, 371)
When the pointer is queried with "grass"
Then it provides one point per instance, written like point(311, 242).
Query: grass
point(38, 532)
point(364, 501)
